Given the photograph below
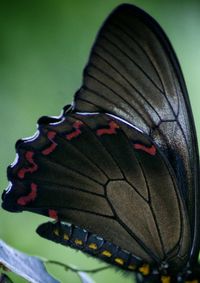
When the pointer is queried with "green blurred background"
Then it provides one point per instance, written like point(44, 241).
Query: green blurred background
point(44, 46)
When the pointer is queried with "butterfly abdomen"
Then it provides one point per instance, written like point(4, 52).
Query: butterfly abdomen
point(78, 238)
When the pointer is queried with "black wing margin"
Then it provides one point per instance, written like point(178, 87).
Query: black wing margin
point(133, 73)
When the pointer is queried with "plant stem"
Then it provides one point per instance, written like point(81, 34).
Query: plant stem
point(74, 269)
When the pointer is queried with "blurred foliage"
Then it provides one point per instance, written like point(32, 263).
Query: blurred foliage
point(44, 47)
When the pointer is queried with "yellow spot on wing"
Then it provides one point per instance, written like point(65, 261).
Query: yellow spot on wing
point(144, 269)
point(132, 266)
point(165, 279)
point(106, 253)
point(119, 261)
point(65, 237)
point(93, 246)
point(56, 232)
point(78, 242)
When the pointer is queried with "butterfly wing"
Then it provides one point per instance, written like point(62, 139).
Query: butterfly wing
point(112, 179)
point(133, 73)
point(107, 177)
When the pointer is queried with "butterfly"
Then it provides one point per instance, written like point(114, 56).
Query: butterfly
point(118, 170)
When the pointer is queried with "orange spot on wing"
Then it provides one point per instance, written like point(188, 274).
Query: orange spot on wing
point(76, 132)
point(50, 135)
point(32, 168)
point(150, 150)
point(30, 197)
point(53, 213)
point(108, 131)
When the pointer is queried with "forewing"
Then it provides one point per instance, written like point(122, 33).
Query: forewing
point(133, 73)
point(107, 177)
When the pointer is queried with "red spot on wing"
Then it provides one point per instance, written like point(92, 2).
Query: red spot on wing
point(30, 197)
point(108, 131)
point(76, 125)
point(150, 150)
point(33, 166)
point(51, 135)
point(53, 213)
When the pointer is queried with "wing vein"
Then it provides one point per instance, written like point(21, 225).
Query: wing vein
point(124, 78)
point(131, 59)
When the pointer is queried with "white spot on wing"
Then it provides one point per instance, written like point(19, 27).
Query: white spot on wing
point(15, 161)
point(9, 188)
point(125, 122)
point(57, 123)
point(111, 115)
point(87, 113)
point(31, 138)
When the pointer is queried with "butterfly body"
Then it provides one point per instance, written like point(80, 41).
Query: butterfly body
point(121, 164)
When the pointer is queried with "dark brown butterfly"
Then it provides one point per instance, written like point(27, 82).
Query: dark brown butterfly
point(121, 164)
